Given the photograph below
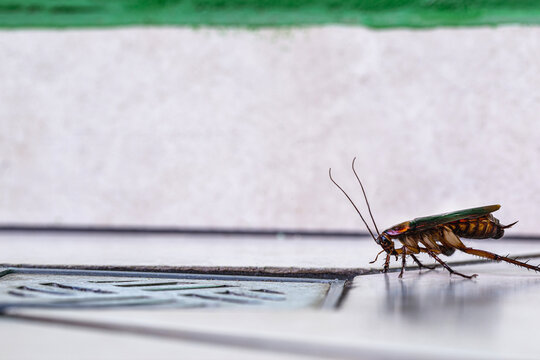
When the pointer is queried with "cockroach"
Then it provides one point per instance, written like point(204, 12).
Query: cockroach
point(437, 234)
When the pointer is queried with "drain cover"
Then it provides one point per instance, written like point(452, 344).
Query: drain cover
point(54, 288)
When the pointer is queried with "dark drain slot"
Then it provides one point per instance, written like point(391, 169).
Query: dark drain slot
point(154, 284)
point(268, 291)
point(43, 291)
point(19, 294)
point(254, 296)
point(221, 298)
point(78, 288)
point(101, 300)
point(177, 288)
point(109, 281)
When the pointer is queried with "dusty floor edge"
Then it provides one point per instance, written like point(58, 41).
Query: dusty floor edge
point(325, 273)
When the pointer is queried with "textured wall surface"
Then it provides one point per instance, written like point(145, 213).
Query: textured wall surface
point(238, 128)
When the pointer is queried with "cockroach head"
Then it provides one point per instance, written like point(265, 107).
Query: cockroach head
point(386, 243)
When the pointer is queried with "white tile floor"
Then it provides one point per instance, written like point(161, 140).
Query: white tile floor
point(427, 315)
point(213, 251)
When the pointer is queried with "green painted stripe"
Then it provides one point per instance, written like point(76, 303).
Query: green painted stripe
point(259, 13)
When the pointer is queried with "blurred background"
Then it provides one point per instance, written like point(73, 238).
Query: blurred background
point(236, 128)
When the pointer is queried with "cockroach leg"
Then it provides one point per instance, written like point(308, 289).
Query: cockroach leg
point(386, 263)
point(403, 261)
point(492, 256)
point(420, 265)
point(452, 271)
point(376, 257)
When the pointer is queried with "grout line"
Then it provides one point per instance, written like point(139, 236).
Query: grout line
point(38, 229)
point(334, 295)
point(172, 230)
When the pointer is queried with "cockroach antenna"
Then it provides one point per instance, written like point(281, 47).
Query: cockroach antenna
point(365, 197)
point(350, 200)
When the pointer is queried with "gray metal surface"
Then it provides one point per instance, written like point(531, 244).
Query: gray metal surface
point(60, 288)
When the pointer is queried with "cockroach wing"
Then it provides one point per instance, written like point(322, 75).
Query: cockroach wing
point(427, 222)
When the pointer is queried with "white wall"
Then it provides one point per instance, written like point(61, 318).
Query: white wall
point(237, 128)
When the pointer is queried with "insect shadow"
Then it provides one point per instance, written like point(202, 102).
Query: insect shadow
point(421, 299)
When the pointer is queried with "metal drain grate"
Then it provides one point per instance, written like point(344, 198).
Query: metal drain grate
point(54, 288)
